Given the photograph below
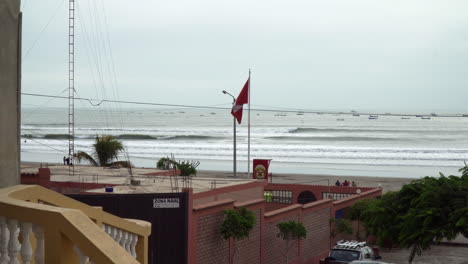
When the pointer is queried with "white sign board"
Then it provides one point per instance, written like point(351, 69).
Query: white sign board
point(166, 203)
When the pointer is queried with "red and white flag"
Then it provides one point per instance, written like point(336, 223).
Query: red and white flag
point(242, 99)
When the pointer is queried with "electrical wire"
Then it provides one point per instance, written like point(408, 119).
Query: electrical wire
point(59, 150)
point(43, 29)
point(90, 100)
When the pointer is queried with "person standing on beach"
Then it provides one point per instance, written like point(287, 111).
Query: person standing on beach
point(353, 184)
point(346, 183)
point(338, 183)
point(64, 160)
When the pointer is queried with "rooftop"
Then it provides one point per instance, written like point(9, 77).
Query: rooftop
point(150, 180)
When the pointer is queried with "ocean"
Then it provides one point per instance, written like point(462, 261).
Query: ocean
point(297, 142)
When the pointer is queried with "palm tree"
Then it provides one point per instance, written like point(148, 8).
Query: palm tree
point(106, 149)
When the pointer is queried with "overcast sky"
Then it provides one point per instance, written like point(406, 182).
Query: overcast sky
point(388, 55)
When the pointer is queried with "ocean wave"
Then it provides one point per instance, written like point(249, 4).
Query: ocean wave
point(336, 138)
point(124, 137)
point(187, 137)
point(171, 137)
point(135, 136)
point(46, 136)
point(358, 129)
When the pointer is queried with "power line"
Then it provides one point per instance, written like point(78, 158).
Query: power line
point(100, 101)
point(59, 150)
point(43, 29)
point(96, 102)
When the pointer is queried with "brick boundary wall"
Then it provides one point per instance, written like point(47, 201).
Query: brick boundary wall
point(263, 246)
point(316, 217)
point(211, 248)
point(275, 247)
point(248, 251)
point(241, 193)
point(317, 190)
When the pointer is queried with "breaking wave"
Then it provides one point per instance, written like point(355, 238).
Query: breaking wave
point(336, 138)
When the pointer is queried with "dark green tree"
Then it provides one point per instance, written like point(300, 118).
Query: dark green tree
point(356, 212)
point(237, 225)
point(291, 231)
point(106, 150)
point(425, 211)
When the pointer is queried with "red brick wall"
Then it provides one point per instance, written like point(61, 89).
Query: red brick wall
point(318, 233)
point(274, 206)
point(248, 250)
point(275, 247)
point(243, 195)
point(240, 193)
point(42, 177)
point(263, 245)
point(211, 246)
point(317, 190)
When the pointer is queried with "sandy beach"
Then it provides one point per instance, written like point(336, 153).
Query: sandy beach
point(387, 183)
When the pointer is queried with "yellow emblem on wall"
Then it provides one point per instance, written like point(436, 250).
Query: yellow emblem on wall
point(260, 172)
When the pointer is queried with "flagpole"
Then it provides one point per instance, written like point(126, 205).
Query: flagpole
point(248, 135)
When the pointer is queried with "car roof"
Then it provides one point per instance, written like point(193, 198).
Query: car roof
point(351, 245)
point(368, 262)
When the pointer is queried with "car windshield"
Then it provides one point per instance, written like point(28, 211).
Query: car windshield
point(344, 255)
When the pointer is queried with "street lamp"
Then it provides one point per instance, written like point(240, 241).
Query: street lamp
point(235, 161)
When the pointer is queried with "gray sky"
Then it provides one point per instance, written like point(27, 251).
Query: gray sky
point(388, 55)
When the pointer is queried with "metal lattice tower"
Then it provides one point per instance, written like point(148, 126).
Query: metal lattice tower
point(71, 85)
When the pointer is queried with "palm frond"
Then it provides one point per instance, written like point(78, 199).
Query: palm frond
point(123, 164)
point(106, 149)
point(81, 155)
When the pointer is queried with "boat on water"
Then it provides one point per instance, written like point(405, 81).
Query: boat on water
point(340, 119)
point(425, 117)
point(280, 114)
point(405, 117)
point(373, 117)
point(356, 115)
point(300, 113)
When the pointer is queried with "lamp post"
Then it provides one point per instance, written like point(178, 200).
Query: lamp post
point(234, 118)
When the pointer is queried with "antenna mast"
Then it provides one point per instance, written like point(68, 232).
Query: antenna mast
point(71, 86)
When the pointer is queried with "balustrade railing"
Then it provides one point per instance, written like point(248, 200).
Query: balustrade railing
point(41, 225)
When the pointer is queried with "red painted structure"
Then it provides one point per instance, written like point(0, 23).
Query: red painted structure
point(206, 246)
point(205, 216)
point(319, 191)
point(42, 178)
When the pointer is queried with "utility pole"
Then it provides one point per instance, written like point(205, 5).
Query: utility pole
point(71, 86)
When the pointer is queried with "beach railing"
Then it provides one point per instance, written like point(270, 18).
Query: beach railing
point(38, 225)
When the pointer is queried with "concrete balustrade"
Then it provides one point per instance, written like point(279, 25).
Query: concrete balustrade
point(127, 240)
point(56, 229)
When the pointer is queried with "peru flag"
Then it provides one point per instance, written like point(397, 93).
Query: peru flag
point(242, 99)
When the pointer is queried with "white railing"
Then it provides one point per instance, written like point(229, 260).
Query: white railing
point(127, 240)
point(37, 224)
point(10, 246)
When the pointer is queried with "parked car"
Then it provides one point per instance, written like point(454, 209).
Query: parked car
point(345, 252)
